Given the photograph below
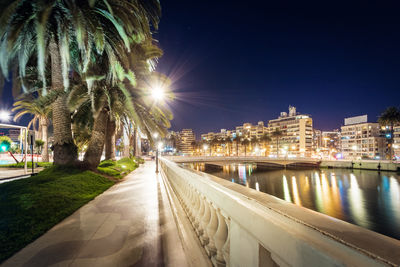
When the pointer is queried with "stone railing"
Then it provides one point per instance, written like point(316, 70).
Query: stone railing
point(238, 226)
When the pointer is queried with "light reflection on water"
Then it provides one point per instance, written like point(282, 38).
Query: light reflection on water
point(369, 199)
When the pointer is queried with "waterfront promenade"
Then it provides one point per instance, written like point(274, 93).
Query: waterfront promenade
point(131, 224)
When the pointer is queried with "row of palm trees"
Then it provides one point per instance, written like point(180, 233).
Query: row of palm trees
point(85, 68)
point(232, 144)
point(390, 118)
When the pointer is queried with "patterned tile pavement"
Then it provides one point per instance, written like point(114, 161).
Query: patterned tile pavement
point(121, 227)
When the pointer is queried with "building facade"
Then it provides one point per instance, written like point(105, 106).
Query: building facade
point(297, 134)
point(361, 139)
point(185, 141)
point(396, 141)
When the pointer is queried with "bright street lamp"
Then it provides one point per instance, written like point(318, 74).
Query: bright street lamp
point(160, 145)
point(205, 147)
point(157, 93)
point(5, 115)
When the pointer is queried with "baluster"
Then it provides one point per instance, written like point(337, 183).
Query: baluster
point(211, 230)
point(226, 247)
point(188, 200)
point(205, 221)
point(193, 205)
point(220, 239)
point(199, 215)
point(202, 212)
point(195, 210)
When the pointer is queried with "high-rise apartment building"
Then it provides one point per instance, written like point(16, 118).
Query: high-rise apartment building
point(297, 134)
point(186, 138)
point(362, 139)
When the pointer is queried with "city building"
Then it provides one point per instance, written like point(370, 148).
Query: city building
point(326, 144)
point(331, 139)
point(317, 139)
point(185, 141)
point(396, 141)
point(297, 134)
point(362, 139)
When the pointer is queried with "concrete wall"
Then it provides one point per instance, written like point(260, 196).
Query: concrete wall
point(361, 164)
point(239, 226)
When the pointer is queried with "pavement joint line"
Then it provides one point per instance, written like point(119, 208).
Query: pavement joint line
point(104, 221)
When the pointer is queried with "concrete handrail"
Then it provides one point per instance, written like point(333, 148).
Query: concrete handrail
point(239, 226)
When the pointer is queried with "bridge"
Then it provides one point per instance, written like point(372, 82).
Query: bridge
point(262, 162)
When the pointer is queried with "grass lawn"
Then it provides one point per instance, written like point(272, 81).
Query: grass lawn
point(120, 168)
point(29, 164)
point(29, 207)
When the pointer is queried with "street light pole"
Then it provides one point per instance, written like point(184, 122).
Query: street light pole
point(157, 159)
point(155, 135)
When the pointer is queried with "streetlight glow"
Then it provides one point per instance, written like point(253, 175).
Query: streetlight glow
point(157, 93)
point(160, 145)
point(4, 115)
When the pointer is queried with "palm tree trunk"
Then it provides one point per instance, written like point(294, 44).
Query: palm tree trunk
point(65, 150)
point(45, 149)
point(96, 144)
point(277, 147)
point(110, 139)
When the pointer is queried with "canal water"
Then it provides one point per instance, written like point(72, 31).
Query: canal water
point(370, 199)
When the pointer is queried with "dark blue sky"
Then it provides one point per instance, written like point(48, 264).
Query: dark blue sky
point(245, 61)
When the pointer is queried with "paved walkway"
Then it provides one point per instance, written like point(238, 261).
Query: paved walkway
point(121, 227)
point(6, 173)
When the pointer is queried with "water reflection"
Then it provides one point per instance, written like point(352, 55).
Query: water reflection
point(366, 198)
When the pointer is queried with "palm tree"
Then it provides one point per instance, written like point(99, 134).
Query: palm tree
point(245, 142)
point(195, 146)
point(277, 134)
point(70, 32)
point(228, 142)
point(236, 139)
point(265, 139)
point(254, 141)
point(390, 117)
point(40, 109)
point(213, 142)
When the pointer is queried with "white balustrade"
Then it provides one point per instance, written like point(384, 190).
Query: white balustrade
point(236, 230)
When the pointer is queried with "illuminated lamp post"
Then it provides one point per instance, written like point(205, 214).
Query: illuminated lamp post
point(155, 138)
point(5, 116)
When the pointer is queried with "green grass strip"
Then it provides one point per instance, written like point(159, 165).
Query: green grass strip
point(30, 207)
point(118, 169)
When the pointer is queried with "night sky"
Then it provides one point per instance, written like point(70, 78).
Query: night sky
point(246, 61)
point(234, 62)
